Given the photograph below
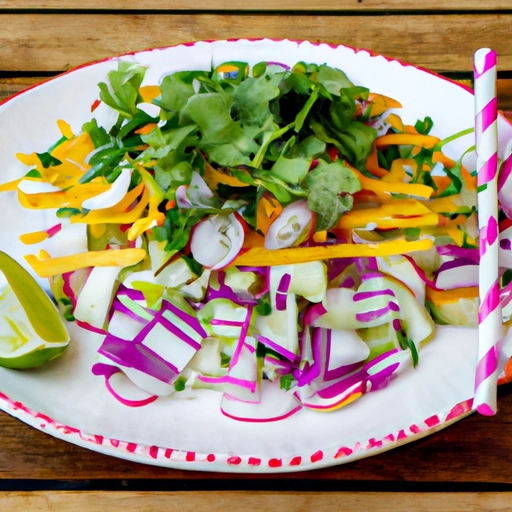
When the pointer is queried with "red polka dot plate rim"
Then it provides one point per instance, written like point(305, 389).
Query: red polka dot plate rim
point(65, 400)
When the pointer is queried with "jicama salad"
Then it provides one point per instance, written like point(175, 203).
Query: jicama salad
point(276, 234)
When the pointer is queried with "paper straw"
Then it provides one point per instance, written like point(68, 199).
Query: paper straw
point(490, 327)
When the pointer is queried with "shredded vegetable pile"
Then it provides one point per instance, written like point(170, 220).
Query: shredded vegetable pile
point(277, 235)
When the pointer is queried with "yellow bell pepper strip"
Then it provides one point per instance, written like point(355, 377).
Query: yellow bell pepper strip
point(270, 258)
point(49, 267)
point(214, 177)
point(154, 217)
point(413, 139)
point(451, 296)
point(383, 189)
point(65, 129)
point(397, 172)
point(395, 122)
point(40, 310)
point(267, 211)
point(149, 93)
point(75, 150)
point(372, 164)
point(10, 185)
point(34, 238)
point(442, 204)
point(146, 129)
point(71, 198)
point(381, 103)
point(394, 214)
point(118, 214)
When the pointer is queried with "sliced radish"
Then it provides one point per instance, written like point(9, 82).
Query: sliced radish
point(113, 195)
point(195, 195)
point(217, 240)
point(295, 224)
point(126, 392)
point(459, 273)
point(276, 404)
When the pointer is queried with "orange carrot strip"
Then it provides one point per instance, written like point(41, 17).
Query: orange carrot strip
point(424, 141)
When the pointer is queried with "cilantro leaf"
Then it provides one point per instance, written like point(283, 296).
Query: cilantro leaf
point(332, 79)
point(162, 143)
point(176, 89)
point(48, 160)
point(122, 92)
point(287, 382)
point(252, 98)
point(98, 134)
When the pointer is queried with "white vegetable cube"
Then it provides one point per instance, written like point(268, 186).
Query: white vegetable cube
point(169, 346)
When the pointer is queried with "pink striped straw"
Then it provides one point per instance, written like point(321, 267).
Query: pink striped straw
point(490, 330)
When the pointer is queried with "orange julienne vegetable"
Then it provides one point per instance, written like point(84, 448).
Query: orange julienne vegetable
point(451, 296)
point(270, 258)
point(48, 267)
point(381, 103)
point(424, 141)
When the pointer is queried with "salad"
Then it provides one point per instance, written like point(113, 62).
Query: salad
point(276, 234)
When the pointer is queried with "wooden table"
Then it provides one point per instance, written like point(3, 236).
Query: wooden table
point(468, 466)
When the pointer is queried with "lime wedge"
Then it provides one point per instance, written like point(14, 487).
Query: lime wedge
point(31, 329)
point(463, 313)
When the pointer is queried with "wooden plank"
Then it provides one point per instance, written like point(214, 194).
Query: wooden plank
point(261, 5)
point(39, 42)
point(476, 449)
point(258, 502)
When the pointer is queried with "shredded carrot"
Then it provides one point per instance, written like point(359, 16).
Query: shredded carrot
point(146, 129)
point(48, 267)
point(383, 189)
point(451, 296)
point(170, 204)
point(267, 211)
point(381, 103)
point(214, 177)
point(253, 239)
point(424, 141)
point(395, 122)
point(372, 164)
point(270, 258)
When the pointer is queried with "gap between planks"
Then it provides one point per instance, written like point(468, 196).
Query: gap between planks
point(260, 5)
point(48, 42)
point(219, 501)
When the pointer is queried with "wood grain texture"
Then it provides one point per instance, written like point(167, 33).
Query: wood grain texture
point(261, 5)
point(44, 42)
point(476, 449)
point(257, 502)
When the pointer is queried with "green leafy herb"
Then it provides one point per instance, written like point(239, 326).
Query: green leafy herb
point(122, 92)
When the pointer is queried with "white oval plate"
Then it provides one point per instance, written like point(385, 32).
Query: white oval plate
point(67, 401)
